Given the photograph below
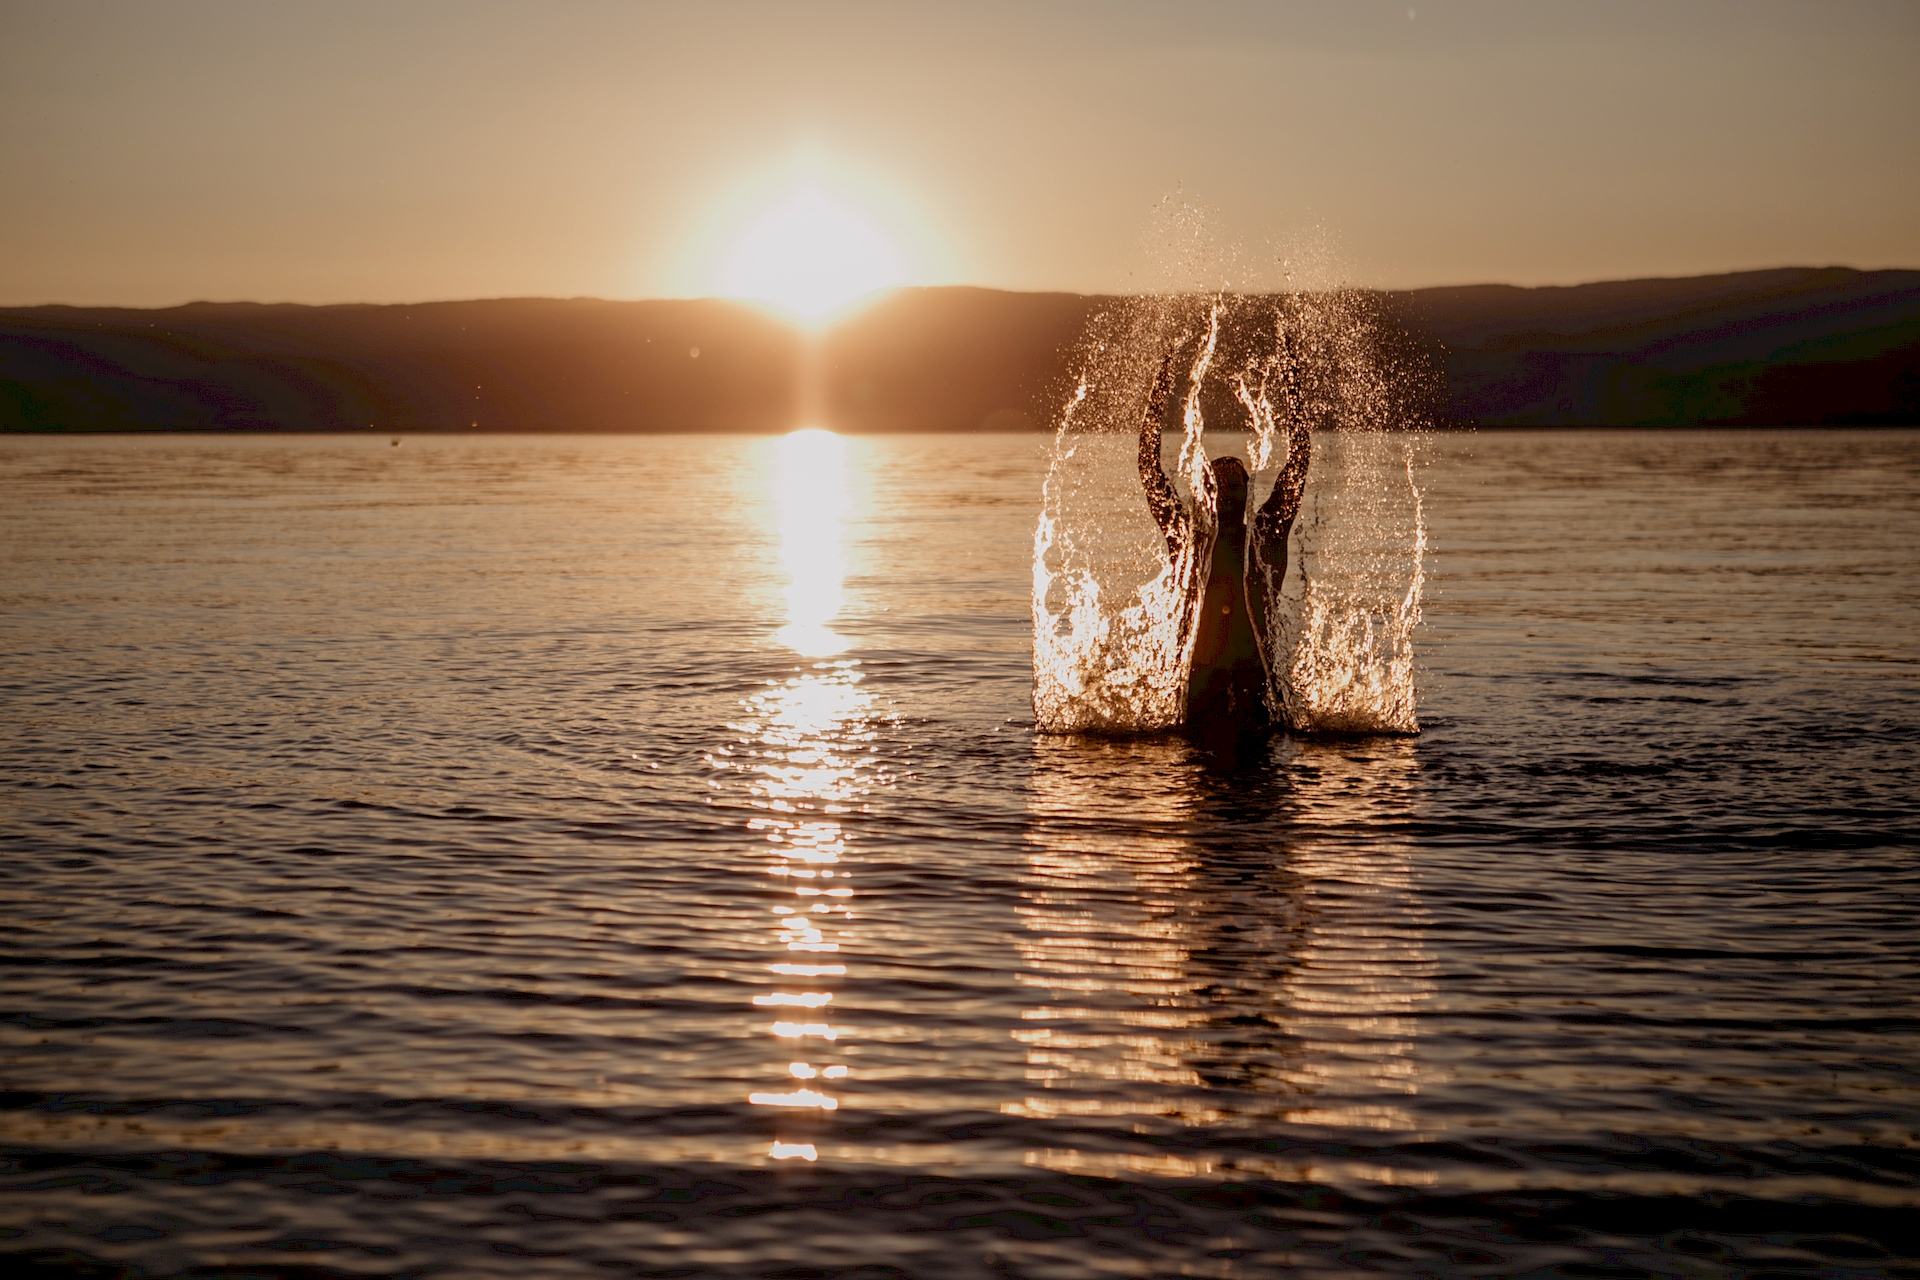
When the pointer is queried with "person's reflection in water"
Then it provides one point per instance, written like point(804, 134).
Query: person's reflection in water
point(1237, 942)
point(1233, 664)
point(1314, 933)
point(1103, 946)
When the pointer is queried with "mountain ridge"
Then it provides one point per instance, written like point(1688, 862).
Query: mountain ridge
point(1784, 346)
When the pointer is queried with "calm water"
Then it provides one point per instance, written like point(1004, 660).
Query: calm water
point(598, 857)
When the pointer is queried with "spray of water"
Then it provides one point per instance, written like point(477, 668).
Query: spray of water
point(1113, 609)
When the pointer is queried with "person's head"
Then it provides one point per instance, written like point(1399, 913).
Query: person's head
point(1230, 481)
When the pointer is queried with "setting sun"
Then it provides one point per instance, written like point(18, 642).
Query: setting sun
point(811, 253)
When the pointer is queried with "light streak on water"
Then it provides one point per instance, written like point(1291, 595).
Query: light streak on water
point(799, 755)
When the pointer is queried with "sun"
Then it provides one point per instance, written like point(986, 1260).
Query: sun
point(809, 236)
point(810, 253)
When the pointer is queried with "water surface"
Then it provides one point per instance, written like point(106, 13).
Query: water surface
point(587, 856)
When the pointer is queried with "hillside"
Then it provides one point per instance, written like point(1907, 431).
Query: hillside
point(1795, 346)
point(1761, 348)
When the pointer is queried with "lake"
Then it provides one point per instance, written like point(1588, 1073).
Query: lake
point(599, 856)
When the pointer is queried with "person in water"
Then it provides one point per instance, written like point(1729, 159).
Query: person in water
point(1231, 579)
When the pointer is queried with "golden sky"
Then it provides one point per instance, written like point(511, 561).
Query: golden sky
point(158, 152)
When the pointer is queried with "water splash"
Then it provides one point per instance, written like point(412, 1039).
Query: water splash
point(1113, 609)
point(1102, 666)
point(1346, 623)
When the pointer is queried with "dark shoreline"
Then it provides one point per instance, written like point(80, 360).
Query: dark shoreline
point(1451, 428)
point(1828, 347)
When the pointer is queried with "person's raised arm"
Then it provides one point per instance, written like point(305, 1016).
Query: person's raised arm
point(1271, 525)
point(1274, 521)
point(1161, 498)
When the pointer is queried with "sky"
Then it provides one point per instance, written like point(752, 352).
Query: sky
point(158, 152)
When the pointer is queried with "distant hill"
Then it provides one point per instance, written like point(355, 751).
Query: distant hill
point(530, 364)
point(954, 360)
point(1814, 346)
point(1794, 346)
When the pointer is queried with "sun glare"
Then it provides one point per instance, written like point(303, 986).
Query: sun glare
point(811, 485)
point(811, 253)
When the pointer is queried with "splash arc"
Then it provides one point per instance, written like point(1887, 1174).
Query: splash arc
point(1112, 605)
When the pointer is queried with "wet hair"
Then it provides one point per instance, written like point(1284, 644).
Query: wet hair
point(1231, 480)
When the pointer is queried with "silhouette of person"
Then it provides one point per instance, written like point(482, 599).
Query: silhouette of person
point(1230, 579)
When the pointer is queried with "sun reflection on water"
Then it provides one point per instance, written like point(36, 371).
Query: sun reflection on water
point(810, 491)
point(804, 751)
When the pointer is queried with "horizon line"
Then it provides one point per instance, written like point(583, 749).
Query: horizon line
point(879, 294)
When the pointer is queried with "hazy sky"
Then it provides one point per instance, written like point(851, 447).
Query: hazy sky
point(157, 152)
